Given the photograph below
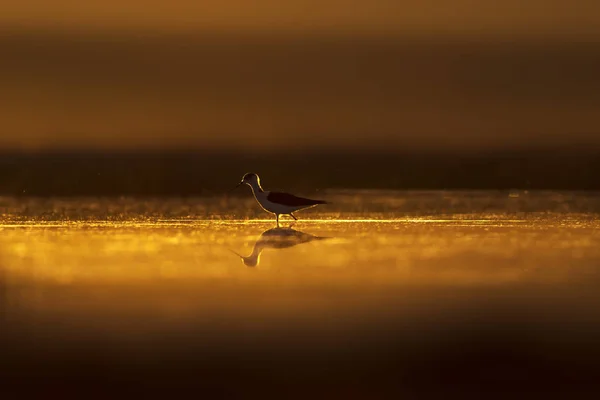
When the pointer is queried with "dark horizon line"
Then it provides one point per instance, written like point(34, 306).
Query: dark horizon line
point(179, 174)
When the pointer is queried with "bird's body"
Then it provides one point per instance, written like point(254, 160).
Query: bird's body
point(278, 203)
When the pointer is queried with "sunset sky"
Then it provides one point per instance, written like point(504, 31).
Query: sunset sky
point(464, 74)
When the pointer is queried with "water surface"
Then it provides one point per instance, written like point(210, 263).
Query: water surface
point(411, 292)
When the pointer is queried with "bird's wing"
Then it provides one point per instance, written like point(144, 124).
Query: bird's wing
point(291, 200)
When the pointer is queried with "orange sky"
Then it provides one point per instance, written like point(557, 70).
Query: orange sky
point(563, 17)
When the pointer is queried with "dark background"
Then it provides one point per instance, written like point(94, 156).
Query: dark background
point(155, 98)
point(215, 173)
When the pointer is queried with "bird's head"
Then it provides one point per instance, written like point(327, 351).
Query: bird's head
point(250, 261)
point(250, 179)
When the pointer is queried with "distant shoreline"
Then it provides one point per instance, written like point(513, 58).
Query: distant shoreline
point(193, 173)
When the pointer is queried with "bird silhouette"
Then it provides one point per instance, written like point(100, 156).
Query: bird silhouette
point(277, 203)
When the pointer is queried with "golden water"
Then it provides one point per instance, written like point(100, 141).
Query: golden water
point(454, 287)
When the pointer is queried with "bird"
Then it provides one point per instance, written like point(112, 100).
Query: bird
point(276, 238)
point(278, 203)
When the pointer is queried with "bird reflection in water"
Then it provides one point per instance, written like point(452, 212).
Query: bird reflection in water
point(276, 238)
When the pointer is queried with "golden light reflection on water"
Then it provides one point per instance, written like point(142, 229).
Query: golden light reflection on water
point(150, 292)
point(393, 251)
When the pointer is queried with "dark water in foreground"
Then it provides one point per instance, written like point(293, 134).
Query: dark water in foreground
point(420, 293)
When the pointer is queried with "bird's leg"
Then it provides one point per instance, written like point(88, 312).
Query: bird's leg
point(277, 219)
point(293, 216)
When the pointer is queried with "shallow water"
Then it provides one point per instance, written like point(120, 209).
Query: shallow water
point(377, 292)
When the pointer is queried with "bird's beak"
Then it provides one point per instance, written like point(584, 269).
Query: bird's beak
point(236, 186)
point(236, 253)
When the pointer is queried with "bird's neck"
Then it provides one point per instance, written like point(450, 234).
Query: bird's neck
point(256, 188)
point(253, 259)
